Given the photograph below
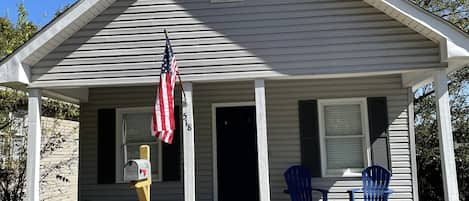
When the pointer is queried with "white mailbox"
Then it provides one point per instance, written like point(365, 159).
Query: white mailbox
point(137, 170)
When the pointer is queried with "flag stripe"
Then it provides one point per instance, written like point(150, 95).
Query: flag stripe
point(164, 103)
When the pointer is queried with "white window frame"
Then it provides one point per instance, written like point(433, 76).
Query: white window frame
point(348, 172)
point(120, 151)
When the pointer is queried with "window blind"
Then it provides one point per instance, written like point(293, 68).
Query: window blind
point(344, 136)
point(342, 120)
point(137, 132)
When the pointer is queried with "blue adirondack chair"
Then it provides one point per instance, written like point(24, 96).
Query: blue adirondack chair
point(375, 184)
point(298, 180)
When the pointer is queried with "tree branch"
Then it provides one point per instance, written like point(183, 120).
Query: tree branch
point(454, 13)
point(5, 125)
point(423, 96)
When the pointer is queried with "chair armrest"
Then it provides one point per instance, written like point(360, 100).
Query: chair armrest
point(320, 190)
point(314, 189)
point(352, 192)
point(389, 191)
point(324, 193)
point(355, 190)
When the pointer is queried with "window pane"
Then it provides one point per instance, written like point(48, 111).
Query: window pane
point(344, 153)
point(133, 152)
point(137, 127)
point(343, 120)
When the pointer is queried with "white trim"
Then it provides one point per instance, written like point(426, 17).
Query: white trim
point(34, 145)
point(417, 79)
point(199, 78)
point(351, 172)
point(188, 143)
point(56, 95)
point(412, 146)
point(445, 135)
point(120, 141)
point(15, 72)
point(262, 141)
point(214, 140)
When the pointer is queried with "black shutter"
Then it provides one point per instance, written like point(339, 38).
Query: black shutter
point(171, 152)
point(378, 123)
point(106, 146)
point(309, 136)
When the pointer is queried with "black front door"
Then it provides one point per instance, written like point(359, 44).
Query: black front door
point(237, 154)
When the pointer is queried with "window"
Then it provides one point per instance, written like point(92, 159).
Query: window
point(343, 127)
point(133, 130)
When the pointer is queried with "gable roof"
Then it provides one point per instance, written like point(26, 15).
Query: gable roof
point(454, 43)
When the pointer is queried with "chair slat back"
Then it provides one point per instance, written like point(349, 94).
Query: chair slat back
point(298, 180)
point(375, 183)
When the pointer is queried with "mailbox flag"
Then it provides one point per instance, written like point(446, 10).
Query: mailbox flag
point(162, 124)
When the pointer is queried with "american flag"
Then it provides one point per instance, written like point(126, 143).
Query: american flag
point(162, 125)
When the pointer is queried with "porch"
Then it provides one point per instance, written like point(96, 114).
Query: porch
point(279, 139)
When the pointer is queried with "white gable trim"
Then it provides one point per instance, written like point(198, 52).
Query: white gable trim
point(13, 72)
point(15, 69)
point(454, 43)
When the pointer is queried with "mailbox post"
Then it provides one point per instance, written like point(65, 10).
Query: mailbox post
point(139, 174)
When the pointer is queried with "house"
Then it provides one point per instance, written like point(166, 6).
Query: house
point(268, 84)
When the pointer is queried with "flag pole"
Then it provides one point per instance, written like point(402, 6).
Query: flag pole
point(182, 87)
point(179, 76)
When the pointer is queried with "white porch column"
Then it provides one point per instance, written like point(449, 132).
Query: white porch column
point(445, 133)
point(188, 142)
point(34, 145)
point(262, 145)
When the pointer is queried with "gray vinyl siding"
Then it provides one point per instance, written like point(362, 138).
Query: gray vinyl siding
point(68, 31)
point(100, 98)
point(283, 129)
point(261, 38)
point(282, 98)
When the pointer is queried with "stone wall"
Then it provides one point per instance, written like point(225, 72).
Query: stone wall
point(59, 164)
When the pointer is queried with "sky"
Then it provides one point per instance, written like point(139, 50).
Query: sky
point(40, 12)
